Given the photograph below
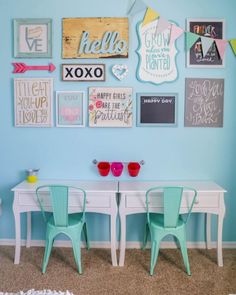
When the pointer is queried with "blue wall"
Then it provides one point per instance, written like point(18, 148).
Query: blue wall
point(170, 153)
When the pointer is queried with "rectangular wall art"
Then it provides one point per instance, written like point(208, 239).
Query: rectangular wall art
point(83, 72)
point(204, 102)
point(110, 107)
point(210, 29)
point(102, 37)
point(156, 109)
point(33, 102)
point(70, 109)
point(33, 38)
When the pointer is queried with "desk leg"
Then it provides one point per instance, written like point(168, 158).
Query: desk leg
point(123, 232)
point(220, 230)
point(208, 230)
point(113, 238)
point(28, 241)
point(18, 235)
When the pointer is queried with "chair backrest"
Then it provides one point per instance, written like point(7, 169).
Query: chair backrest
point(172, 198)
point(58, 198)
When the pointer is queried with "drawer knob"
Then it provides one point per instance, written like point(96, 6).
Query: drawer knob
point(196, 202)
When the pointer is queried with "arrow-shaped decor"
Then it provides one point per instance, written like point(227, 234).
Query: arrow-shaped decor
point(20, 67)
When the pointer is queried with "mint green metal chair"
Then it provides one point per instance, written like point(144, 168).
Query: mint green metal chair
point(171, 222)
point(55, 198)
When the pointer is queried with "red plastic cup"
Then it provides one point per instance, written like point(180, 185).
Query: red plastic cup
point(117, 168)
point(133, 169)
point(103, 168)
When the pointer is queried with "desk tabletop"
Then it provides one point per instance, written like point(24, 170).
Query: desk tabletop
point(143, 186)
point(87, 185)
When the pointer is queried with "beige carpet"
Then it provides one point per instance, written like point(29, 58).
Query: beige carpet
point(100, 277)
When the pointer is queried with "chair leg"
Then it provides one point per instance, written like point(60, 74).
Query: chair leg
point(47, 252)
point(85, 230)
point(154, 255)
point(146, 233)
point(77, 254)
point(184, 251)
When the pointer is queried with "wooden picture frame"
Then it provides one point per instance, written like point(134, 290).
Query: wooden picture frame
point(33, 102)
point(70, 109)
point(157, 109)
point(83, 72)
point(33, 38)
point(213, 28)
point(110, 107)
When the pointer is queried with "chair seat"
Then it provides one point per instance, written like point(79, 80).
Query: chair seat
point(157, 220)
point(73, 219)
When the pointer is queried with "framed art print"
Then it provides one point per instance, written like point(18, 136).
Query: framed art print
point(70, 109)
point(156, 109)
point(33, 98)
point(33, 38)
point(110, 107)
point(211, 28)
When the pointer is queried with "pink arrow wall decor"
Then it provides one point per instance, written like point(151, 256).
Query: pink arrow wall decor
point(20, 67)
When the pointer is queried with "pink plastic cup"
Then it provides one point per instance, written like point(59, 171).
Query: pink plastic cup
point(117, 168)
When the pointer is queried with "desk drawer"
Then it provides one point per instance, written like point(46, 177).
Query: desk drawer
point(203, 200)
point(96, 200)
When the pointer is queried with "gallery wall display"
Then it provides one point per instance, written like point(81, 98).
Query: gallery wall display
point(95, 37)
point(33, 38)
point(33, 98)
point(70, 109)
point(209, 28)
point(83, 72)
point(157, 60)
point(110, 107)
point(156, 109)
point(204, 102)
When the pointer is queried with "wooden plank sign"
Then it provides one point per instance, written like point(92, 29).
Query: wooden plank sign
point(83, 72)
point(95, 37)
point(33, 102)
point(110, 107)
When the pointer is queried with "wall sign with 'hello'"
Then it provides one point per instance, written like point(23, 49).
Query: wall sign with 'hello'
point(95, 37)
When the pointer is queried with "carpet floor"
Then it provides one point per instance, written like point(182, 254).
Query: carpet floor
point(99, 277)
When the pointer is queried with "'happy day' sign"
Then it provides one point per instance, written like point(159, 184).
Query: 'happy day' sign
point(156, 58)
point(33, 102)
point(95, 37)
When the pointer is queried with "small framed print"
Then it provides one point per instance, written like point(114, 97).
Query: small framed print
point(33, 38)
point(156, 109)
point(70, 109)
point(212, 28)
point(33, 101)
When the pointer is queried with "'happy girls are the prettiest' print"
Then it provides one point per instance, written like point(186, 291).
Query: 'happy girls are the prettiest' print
point(110, 107)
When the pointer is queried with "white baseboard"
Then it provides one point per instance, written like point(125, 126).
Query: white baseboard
point(129, 245)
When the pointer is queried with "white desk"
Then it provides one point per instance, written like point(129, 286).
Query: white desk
point(210, 200)
point(101, 198)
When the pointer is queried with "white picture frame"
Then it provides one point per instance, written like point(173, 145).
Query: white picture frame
point(70, 109)
point(214, 28)
point(33, 102)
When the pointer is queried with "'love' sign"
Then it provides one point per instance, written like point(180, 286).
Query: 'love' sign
point(95, 37)
point(83, 72)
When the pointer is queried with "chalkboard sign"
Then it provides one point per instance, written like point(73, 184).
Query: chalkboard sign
point(204, 102)
point(212, 28)
point(156, 109)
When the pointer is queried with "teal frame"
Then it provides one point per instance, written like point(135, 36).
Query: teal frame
point(31, 21)
point(138, 107)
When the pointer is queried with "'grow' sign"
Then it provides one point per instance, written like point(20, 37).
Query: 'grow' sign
point(95, 37)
